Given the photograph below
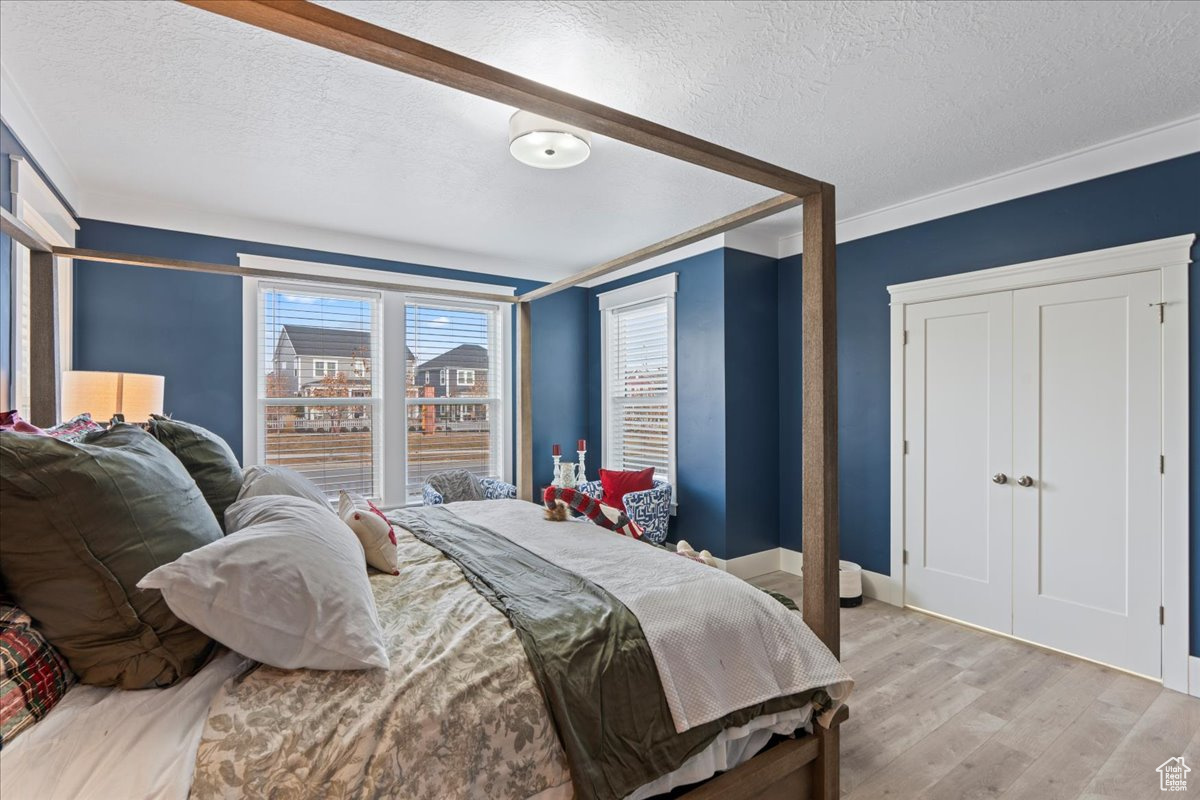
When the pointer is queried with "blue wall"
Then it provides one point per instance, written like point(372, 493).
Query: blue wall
point(700, 379)
point(188, 326)
point(752, 454)
point(1151, 202)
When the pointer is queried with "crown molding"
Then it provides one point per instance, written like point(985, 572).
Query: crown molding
point(1150, 146)
point(20, 119)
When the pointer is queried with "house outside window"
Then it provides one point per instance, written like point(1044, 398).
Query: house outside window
point(336, 405)
point(638, 376)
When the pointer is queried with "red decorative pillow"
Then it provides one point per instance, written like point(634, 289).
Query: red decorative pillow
point(33, 676)
point(556, 497)
point(13, 421)
point(617, 484)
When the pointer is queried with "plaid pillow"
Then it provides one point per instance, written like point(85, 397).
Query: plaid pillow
point(74, 429)
point(33, 676)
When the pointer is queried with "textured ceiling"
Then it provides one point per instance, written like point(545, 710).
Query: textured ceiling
point(888, 100)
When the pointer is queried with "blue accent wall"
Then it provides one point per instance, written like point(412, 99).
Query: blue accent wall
point(752, 455)
point(700, 364)
point(188, 326)
point(1150, 202)
point(560, 380)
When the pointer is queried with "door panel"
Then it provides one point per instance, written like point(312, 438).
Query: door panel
point(1087, 430)
point(958, 389)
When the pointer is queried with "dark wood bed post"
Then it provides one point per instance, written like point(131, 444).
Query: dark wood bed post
point(524, 438)
point(819, 462)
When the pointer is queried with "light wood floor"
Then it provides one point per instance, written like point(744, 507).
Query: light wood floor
point(945, 712)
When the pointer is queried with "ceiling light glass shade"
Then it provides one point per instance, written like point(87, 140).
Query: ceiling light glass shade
point(543, 143)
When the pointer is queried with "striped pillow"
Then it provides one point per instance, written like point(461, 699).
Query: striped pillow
point(33, 676)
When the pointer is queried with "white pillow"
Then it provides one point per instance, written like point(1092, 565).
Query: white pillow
point(285, 587)
point(372, 529)
point(264, 479)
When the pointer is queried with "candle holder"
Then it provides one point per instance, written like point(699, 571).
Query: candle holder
point(557, 472)
point(581, 475)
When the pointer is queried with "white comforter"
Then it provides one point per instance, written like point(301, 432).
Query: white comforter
point(720, 644)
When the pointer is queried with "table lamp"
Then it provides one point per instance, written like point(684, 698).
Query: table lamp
point(112, 395)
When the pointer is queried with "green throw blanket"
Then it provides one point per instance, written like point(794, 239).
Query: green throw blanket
point(589, 657)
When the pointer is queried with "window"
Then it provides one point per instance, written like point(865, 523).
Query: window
point(324, 368)
point(35, 204)
point(323, 424)
point(638, 332)
point(343, 384)
point(466, 377)
point(464, 429)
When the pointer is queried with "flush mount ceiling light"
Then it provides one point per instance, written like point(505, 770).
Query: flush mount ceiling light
point(543, 143)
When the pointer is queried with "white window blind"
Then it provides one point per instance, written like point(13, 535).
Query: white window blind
point(454, 389)
point(320, 373)
point(639, 378)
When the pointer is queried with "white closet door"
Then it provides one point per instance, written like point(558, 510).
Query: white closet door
point(958, 423)
point(1087, 435)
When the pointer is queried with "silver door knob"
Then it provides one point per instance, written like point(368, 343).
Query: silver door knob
point(1025, 480)
point(999, 477)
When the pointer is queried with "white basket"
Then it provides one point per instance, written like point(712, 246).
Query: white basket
point(849, 581)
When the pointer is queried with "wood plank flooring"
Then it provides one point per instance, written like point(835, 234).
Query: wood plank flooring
point(945, 712)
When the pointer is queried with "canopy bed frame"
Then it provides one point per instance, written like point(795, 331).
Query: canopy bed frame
point(801, 768)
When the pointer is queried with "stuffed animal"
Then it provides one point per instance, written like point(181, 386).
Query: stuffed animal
point(704, 557)
point(559, 501)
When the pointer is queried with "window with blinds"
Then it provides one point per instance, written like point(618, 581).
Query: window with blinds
point(454, 382)
point(639, 377)
point(320, 373)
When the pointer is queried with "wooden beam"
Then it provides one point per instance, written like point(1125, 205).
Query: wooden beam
point(333, 30)
point(133, 260)
point(819, 431)
point(524, 438)
point(43, 339)
point(779, 771)
point(22, 233)
point(827, 767)
point(755, 212)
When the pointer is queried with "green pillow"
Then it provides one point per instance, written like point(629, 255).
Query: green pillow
point(82, 524)
point(206, 457)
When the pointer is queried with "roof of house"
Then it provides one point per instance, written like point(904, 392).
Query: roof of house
point(313, 340)
point(465, 356)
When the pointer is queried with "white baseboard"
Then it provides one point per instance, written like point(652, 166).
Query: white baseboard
point(1193, 687)
point(752, 565)
point(876, 585)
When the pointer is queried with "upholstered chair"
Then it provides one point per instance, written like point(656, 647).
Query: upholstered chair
point(650, 509)
point(492, 488)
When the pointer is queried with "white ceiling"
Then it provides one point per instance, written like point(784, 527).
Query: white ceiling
point(158, 106)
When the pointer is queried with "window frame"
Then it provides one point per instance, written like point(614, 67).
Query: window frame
point(458, 377)
point(663, 288)
point(394, 445)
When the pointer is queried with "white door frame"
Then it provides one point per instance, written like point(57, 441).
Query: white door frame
point(1169, 257)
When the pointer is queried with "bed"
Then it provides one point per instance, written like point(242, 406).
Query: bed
point(460, 712)
point(805, 766)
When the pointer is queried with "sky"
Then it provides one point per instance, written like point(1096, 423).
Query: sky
point(429, 330)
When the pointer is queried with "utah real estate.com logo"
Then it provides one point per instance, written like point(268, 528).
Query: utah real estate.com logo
point(1172, 775)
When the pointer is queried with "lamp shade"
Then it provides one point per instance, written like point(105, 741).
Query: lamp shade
point(103, 394)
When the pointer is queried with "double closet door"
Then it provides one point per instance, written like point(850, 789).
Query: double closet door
point(1033, 422)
